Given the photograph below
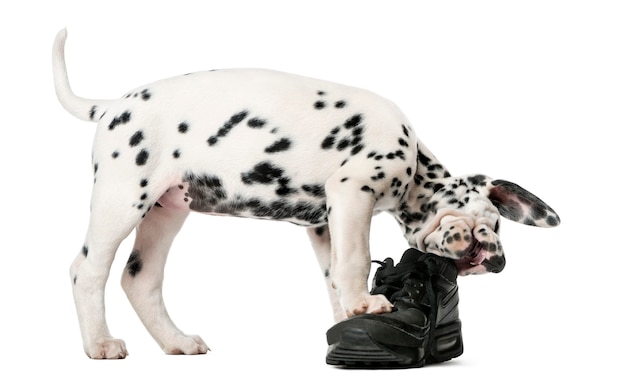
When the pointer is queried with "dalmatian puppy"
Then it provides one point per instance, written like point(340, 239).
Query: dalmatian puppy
point(268, 145)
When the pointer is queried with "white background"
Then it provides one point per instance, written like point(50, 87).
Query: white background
point(529, 91)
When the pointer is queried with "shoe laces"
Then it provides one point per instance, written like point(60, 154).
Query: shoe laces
point(406, 284)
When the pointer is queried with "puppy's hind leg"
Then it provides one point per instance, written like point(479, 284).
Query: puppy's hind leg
point(112, 219)
point(142, 280)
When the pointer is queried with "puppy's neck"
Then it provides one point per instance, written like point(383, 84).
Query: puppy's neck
point(418, 209)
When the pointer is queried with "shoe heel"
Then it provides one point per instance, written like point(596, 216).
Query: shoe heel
point(447, 343)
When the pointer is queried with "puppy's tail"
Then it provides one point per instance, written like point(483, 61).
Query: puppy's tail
point(82, 108)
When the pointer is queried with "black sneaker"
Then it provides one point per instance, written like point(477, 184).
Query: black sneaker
point(424, 326)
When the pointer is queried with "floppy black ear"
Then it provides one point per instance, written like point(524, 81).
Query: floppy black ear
point(517, 204)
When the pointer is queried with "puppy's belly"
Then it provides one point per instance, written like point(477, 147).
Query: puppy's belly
point(211, 199)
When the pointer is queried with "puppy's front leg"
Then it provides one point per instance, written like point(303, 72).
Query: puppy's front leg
point(350, 208)
point(320, 241)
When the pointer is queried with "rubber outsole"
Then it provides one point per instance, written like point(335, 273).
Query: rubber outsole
point(356, 348)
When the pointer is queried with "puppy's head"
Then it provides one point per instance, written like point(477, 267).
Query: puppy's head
point(464, 220)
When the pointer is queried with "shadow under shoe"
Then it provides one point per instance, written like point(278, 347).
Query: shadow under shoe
point(423, 328)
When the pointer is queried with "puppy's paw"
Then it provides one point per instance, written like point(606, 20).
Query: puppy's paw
point(186, 344)
point(369, 304)
point(108, 348)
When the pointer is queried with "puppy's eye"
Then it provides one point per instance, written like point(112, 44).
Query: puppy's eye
point(497, 227)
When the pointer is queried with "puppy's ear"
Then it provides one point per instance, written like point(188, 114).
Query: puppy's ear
point(517, 204)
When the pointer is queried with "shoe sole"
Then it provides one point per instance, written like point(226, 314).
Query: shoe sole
point(356, 348)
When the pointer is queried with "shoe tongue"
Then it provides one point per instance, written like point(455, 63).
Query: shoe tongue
point(411, 261)
point(428, 263)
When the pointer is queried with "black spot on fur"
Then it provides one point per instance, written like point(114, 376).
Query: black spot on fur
point(256, 123)
point(262, 173)
point(379, 176)
point(352, 122)
point(328, 142)
point(356, 149)
point(120, 120)
point(478, 179)
point(437, 187)
point(367, 189)
point(319, 105)
point(143, 183)
point(553, 221)
point(284, 189)
point(320, 230)
point(280, 145)
point(340, 104)
point(145, 94)
point(344, 143)
point(422, 159)
point(176, 153)
point(206, 191)
point(115, 154)
point(92, 112)
point(315, 190)
point(85, 251)
point(183, 127)
point(134, 264)
point(402, 142)
point(142, 157)
point(136, 139)
point(228, 126)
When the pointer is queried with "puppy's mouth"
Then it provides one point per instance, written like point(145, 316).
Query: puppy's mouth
point(474, 254)
point(476, 259)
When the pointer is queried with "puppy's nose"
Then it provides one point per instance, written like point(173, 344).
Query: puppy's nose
point(494, 264)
